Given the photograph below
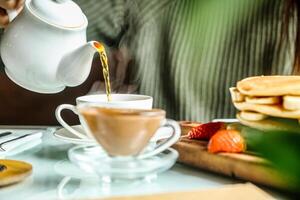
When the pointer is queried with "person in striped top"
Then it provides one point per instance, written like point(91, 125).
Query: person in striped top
point(187, 53)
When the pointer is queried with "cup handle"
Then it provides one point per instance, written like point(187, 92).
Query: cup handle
point(168, 142)
point(64, 124)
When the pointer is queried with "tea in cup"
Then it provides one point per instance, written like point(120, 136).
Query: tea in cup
point(133, 101)
point(126, 132)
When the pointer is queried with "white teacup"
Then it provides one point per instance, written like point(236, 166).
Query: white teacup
point(132, 101)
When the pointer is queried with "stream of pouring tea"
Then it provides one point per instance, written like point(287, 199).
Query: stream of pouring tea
point(105, 70)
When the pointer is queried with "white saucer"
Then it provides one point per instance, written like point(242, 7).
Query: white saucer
point(66, 136)
point(93, 159)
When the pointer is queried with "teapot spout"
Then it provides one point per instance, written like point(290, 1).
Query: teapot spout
point(74, 67)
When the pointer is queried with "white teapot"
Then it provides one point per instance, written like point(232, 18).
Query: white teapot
point(44, 49)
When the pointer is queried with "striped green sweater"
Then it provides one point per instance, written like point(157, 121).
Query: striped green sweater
point(187, 53)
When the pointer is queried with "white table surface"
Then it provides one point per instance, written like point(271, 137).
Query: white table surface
point(54, 177)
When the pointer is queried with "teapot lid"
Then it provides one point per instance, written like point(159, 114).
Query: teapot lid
point(63, 13)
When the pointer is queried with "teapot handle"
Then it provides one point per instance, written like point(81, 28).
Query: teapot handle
point(12, 14)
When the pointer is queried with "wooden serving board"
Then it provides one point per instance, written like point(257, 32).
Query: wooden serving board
point(244, 166)
point(233, 192)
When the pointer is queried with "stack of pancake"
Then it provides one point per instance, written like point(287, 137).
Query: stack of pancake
point(268, 102)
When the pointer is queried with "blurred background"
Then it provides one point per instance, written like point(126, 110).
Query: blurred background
point(184, 53)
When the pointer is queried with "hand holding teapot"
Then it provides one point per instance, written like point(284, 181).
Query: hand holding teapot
point(8, 6)
point(44, 49)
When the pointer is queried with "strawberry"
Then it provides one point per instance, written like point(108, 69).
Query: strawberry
point(229, 141)
point(205, 131)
